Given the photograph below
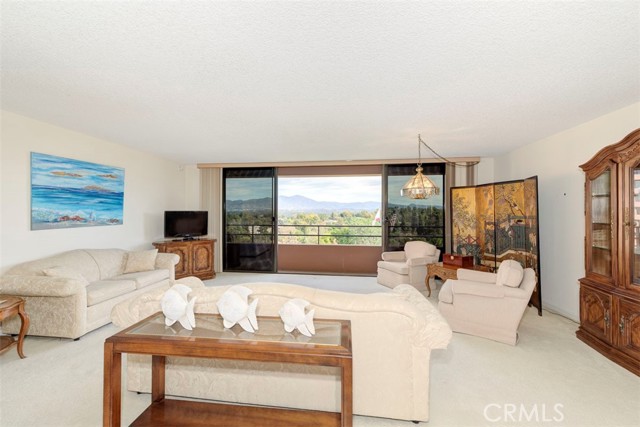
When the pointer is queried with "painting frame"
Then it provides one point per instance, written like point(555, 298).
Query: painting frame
point(71, 193)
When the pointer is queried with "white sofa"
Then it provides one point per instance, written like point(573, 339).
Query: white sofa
point(393, 334)
point(72, 293)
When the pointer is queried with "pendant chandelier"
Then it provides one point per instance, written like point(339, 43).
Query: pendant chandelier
point(420, 186)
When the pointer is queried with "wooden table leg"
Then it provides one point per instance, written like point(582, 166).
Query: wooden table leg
point(112, 393)
point(347, 393)
point(157, 378)
point(24, 318)
point(427, 281)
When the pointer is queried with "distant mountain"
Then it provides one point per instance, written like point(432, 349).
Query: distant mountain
point(252, 205)
point(305, 204)
point(299, 204)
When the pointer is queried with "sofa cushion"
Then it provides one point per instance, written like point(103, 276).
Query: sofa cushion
point(145, 278)
point(103, 290)
point(396, 267)
point(141, 261)
point(77, 259)
point(510, 273)
point(66, 272)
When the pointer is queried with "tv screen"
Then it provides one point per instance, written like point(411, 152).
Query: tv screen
point(185, 224)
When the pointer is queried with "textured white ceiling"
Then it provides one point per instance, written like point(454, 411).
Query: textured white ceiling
point(208, 81)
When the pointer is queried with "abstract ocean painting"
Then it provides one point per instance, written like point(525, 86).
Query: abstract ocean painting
point(69, 193)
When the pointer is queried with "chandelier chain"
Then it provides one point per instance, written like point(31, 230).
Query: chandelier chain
point(444, 159)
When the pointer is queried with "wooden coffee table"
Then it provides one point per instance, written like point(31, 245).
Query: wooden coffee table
point(10, 306)
point(330, 346)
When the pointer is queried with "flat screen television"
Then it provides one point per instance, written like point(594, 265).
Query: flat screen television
point(185, 224)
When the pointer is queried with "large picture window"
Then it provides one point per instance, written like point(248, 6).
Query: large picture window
point(330, 210)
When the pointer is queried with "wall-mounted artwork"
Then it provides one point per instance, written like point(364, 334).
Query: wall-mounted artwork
point(498, 221)
point(69, 193)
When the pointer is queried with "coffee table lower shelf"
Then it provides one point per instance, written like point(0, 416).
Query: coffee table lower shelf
point(173, 412)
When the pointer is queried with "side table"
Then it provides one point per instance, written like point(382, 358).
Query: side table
point(446, 271)
point(443, 271)
point(10, 306)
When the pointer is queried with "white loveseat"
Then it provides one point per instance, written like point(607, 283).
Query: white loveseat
point(393, 334)
point(72, 293)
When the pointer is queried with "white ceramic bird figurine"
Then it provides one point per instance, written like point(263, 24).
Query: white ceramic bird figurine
point(293, 315)
point(176, 307)
point(234, 308)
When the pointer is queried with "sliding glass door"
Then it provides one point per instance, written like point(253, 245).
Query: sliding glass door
point(334, 229)
point(413, 219)
point(249, 219)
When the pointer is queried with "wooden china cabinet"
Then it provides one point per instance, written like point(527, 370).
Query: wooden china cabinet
point(610, 290)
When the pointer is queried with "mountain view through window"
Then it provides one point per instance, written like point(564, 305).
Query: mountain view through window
point(324, 210)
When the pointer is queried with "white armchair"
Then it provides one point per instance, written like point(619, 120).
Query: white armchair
point(488, 305)
point(408, 266)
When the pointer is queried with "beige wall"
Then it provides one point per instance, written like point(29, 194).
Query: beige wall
point(152, 185)
point(485, 170)
point(555, 161)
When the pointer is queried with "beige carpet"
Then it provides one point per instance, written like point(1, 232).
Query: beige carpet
point(549, 379)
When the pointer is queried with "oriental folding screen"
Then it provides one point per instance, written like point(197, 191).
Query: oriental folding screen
point(498, 221)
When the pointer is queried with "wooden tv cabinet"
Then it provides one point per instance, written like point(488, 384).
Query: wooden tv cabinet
point(196, 257)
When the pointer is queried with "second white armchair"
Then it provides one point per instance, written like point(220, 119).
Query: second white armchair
point(488, 305)
point(408, 266)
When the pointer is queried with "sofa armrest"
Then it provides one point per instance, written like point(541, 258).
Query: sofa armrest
point(517, 293)
point(393, 256)
point(130, 311)
point(434, 330)
point(40, 286)
point(166, 260)
point(463, 287)
point(476, 276)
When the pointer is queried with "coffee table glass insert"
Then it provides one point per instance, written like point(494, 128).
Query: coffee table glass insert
point(270, 329)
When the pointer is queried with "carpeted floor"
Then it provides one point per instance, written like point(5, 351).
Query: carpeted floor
point(550, 378)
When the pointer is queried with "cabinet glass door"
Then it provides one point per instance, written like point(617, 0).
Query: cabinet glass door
point(601, 227)
point(632, 225)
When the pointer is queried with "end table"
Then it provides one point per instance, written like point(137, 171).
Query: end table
point(440, 270)
point(447, 271)
point(10, 306)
